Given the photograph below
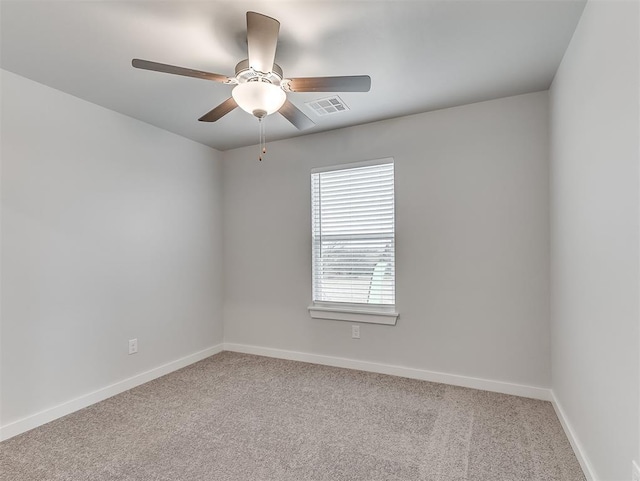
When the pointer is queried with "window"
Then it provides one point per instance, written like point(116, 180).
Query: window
point(353, 235)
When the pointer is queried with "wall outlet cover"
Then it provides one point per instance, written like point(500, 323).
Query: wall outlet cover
point(355, 332)
point(133, 346)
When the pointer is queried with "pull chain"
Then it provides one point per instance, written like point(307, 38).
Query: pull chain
point(263, 137)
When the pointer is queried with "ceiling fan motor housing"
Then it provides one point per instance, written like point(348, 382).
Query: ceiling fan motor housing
point(244, 73)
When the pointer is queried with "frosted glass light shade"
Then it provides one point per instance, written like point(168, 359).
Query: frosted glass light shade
point(259, 97)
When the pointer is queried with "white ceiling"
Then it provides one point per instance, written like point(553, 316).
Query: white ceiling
point(421, 55)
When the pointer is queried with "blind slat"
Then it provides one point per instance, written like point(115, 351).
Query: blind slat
point(364, 201)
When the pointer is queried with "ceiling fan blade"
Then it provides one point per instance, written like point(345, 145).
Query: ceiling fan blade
point(296, 116)
point(262, 39)
point(354, 83)
point(220, 111)
point(187, 72)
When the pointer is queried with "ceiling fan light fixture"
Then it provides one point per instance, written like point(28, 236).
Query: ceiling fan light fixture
point(259, 98)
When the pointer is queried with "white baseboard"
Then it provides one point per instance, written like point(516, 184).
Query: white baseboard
point(38, 419)
point(533, 392)
point(586, 466)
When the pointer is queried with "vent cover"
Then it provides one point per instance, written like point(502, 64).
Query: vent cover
point(328, 105)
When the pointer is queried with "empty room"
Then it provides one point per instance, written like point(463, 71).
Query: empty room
point(320, 240)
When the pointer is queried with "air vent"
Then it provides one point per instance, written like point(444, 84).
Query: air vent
point(328, 105)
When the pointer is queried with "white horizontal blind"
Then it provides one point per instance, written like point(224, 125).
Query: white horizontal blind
point(354, 235)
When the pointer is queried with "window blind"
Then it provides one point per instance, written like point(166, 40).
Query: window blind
point(353, 233)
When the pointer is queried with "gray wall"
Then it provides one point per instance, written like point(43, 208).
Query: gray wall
point(594, 233)
point(110, 231)
point(472, 242)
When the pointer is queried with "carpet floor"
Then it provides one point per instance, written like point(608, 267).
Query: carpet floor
point(242, 417)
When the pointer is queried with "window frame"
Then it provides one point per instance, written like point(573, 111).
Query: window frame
point(353, 312)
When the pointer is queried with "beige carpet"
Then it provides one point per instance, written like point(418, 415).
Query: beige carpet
point(241, 417)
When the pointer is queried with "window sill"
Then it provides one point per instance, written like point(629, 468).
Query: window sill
point(354, 314)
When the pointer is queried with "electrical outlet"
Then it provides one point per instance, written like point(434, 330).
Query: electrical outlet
point(355, 332)
point(635, 476)
point(133, 346)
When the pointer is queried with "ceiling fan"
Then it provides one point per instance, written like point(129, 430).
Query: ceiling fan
point(260, 87)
